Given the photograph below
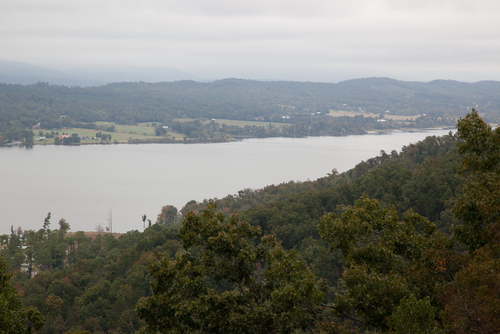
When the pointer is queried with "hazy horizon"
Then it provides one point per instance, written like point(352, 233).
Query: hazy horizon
point(320, 40)
point(94, 75)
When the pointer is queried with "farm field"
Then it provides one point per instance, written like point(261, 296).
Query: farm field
point(231, 122)
point(338, 113)
point(121, 134)
point(402, 117)
point(141, 131)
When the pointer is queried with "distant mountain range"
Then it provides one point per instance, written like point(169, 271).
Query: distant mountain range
point(13, 72)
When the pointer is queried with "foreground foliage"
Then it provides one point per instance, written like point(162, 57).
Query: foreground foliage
point(221, 282)
point(85, 283)
point(473, 296)
point(13, 317)
point(478, 207)
point(406, 276)
point(390, 265)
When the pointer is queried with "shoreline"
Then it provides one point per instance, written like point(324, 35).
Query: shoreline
point(233, 139)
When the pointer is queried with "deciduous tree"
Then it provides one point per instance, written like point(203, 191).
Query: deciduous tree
point(386, 260)
point(478, 206)
point(222, 282)
point(13, 317)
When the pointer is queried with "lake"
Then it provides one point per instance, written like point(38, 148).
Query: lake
point(84, 183)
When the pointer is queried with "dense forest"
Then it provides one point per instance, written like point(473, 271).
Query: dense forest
point(302, 105)
point(405, 242)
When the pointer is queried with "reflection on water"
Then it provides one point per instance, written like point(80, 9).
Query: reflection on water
point(81, 184)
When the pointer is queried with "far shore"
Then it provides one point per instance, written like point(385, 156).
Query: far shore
point(163, 140)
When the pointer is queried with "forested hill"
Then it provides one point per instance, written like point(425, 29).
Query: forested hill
point(422, 176)
point(240, 99)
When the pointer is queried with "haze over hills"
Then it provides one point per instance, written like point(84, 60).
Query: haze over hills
point(13, 72)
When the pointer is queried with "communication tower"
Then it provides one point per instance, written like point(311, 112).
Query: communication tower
point(110, 220)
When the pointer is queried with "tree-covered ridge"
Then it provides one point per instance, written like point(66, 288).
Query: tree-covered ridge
point(302, 104)
point(382, 236)
point(421, 176)
point(435, 286)
point(246, 99)
point(197, 131)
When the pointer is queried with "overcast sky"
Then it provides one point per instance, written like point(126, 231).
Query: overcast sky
point(315, 40)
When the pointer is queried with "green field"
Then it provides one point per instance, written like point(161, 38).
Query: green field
point(339, 113)
point(121, 135)
point(241, 124)
point(142, 131)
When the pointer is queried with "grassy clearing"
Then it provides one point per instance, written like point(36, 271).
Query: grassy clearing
point(402, 117)
point(240, 124)
point(122, 133)
point(339, 113)
point(399, 118)
point(141, 131)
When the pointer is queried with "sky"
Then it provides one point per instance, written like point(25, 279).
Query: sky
point(314, 40)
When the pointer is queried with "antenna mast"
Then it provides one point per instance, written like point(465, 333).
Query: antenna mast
point(110, 221)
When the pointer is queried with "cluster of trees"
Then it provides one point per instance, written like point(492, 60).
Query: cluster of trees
point(103, 136)
point(71, 140)
point(298, 127)
point(409, 244)
point(84, 283)
point(54, 107)
point(13, 317)
point(15, 133)
point(47, 134)
point(311, 126)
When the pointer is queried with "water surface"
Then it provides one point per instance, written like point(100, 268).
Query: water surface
point(83, 183)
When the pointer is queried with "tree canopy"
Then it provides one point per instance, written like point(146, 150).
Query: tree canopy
point(222, 282)
point(13, 317)
point(478, 206)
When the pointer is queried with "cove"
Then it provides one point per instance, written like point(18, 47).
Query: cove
point(83, 183)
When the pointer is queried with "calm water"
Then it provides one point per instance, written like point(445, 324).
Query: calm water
point(81, 184)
